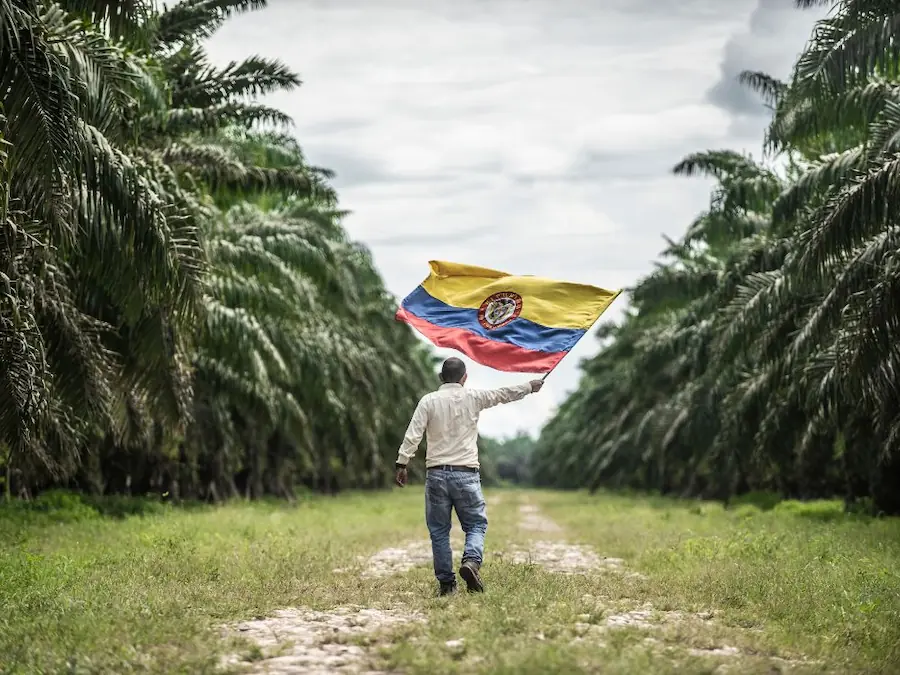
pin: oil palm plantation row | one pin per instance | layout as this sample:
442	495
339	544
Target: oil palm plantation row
180	307
762	352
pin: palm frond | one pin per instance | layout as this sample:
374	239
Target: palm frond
191	20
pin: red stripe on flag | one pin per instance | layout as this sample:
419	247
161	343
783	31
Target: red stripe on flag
493	354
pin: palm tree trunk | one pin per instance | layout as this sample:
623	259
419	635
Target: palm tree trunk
7	485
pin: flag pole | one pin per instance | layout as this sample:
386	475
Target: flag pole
549	371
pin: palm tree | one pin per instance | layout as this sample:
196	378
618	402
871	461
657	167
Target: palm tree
299	361
664	373
95	220
779	376
181	307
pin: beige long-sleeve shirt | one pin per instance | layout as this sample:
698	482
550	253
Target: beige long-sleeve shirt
449	417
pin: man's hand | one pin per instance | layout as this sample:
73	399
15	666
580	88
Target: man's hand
401	476
536	386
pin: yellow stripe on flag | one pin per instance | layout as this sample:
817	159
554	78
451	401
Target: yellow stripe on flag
554	304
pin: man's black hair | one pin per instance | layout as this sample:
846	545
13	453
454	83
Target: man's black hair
453	370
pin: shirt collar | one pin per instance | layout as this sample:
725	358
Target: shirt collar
450	385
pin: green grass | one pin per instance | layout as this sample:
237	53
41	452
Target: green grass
144	588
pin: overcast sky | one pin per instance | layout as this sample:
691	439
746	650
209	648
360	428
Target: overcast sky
530	136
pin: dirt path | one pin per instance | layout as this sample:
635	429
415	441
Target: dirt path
345	639
555	555
305	641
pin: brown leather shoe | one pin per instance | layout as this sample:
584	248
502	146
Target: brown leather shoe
469	572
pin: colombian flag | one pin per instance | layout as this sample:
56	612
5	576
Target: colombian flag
513	323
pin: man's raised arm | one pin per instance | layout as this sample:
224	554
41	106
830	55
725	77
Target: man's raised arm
488	398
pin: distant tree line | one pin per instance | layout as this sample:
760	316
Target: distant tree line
763	353
506	461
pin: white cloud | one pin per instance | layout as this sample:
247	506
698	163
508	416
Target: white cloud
534	136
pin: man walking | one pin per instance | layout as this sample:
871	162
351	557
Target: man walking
449	416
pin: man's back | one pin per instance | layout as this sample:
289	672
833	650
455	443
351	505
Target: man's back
449	419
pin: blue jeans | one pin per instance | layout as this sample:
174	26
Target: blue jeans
460	490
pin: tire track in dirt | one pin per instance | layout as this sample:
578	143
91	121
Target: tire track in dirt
555	554
561	557
400	559
304	641
295	641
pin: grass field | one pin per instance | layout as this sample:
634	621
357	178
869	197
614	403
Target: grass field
797	588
